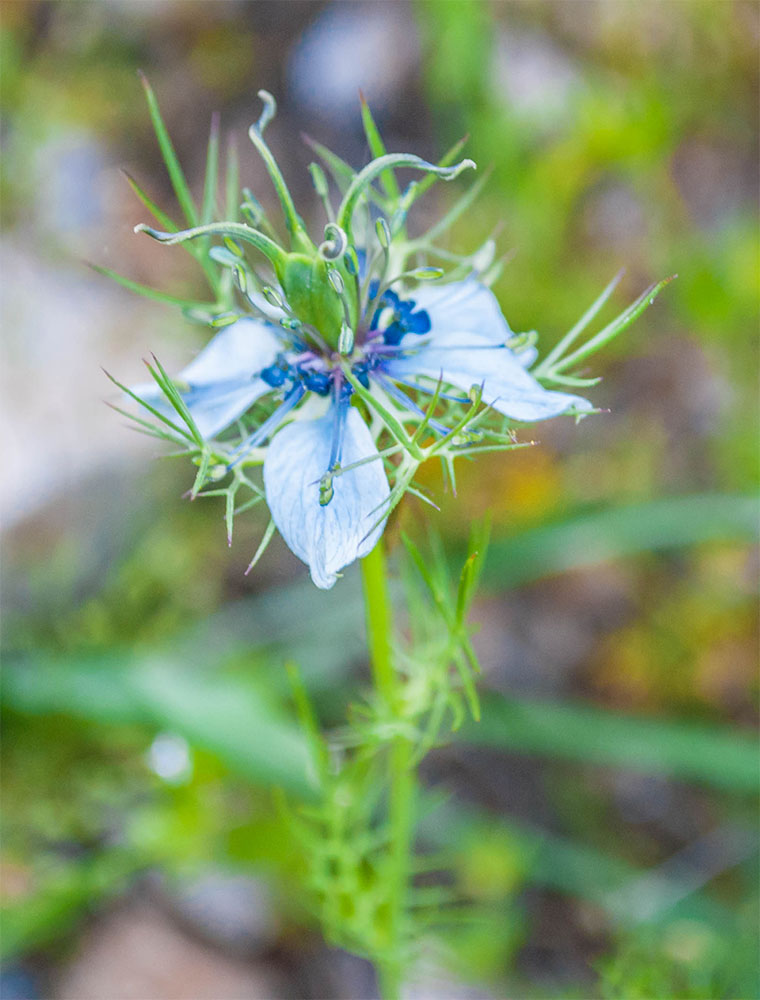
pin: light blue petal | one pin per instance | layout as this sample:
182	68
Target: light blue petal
222	379
241	349
507	386
463	307
326	538
464	347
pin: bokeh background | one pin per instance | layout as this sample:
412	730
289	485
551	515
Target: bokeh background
601	819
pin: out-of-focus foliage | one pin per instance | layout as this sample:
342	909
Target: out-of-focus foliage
597	834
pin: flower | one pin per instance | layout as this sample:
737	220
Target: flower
341	367
324	479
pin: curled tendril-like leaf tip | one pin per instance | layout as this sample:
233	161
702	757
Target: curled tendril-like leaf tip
336	242
267	112
457	169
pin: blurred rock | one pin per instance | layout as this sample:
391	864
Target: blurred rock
429	979
137	953
351	47
229	910
534	76
19	983
614	218
318	972
717	181
61	324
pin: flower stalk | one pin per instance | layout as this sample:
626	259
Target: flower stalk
402	778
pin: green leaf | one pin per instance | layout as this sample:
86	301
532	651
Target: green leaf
221	714
572	334
711	755
377	148
613	329
151	293
625	531
176	174
158	213
151	409
172	393
212	173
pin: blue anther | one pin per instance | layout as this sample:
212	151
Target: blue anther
361	371
404	320
315	380
277	374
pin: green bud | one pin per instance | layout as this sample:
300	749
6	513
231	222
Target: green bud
233	247
426	273
225	319
346	340
272	297
326	490
475	394
335	280
383	233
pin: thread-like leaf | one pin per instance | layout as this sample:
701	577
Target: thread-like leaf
176	174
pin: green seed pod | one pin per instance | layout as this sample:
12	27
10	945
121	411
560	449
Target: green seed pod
311	296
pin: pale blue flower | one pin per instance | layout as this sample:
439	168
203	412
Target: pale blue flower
405	343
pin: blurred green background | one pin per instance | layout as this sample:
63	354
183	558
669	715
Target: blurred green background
602	817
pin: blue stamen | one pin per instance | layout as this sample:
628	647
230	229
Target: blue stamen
294	395
341	403
279	373
314	380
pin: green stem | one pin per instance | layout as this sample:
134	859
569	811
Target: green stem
402	776
377	614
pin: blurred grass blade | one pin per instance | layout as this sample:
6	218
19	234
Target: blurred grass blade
176	174
232	183
574	332
151	293
158	213
612	534
613	329
709	755
211	178
377	148
218	713
560	864
342	172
